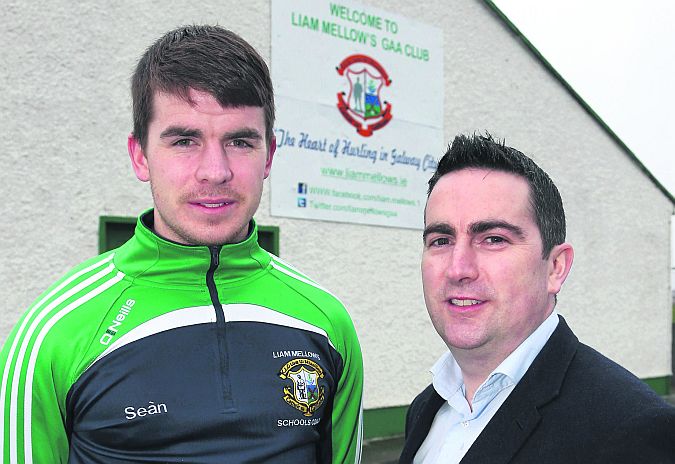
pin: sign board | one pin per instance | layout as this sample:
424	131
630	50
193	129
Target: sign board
359	95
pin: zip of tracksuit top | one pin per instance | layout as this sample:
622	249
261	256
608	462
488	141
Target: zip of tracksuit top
222	328
161	352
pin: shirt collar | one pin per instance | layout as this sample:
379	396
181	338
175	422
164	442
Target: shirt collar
518	362
447	375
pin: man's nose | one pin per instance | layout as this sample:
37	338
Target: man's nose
214	165
462	264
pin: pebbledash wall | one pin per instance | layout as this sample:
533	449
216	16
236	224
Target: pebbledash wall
65	110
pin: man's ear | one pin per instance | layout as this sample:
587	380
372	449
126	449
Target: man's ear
560	262
138	159
270	156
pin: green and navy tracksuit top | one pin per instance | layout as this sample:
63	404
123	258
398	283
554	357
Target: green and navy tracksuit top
160	352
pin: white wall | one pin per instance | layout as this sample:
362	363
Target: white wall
66	114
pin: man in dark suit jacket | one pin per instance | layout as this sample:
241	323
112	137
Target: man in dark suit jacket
516	386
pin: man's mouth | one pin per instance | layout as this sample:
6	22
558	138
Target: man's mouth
214	205
212	202
464	302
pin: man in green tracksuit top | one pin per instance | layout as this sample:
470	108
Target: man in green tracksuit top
189	343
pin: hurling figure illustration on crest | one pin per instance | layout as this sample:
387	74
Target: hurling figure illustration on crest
362	106
305	395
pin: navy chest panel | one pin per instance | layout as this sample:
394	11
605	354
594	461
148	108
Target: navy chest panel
175	396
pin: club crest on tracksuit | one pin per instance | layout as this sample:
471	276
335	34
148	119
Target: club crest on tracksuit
305	393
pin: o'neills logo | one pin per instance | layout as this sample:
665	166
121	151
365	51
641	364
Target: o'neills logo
122	314
305	395
362	105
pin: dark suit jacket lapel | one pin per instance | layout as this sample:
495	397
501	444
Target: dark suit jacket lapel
418	422
518	417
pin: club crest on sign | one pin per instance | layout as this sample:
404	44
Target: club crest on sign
362	105
305	393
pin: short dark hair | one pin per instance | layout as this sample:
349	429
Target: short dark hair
479	151
205	58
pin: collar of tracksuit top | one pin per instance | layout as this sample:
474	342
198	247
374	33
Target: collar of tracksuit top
149	257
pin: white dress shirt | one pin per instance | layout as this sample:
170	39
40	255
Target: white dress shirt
456	426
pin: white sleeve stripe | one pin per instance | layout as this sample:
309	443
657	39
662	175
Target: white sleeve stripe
303	279
359	444
28	399
19	336
289	266
25	339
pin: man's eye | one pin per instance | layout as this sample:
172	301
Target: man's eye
440	241
495	240
240	143
183	143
